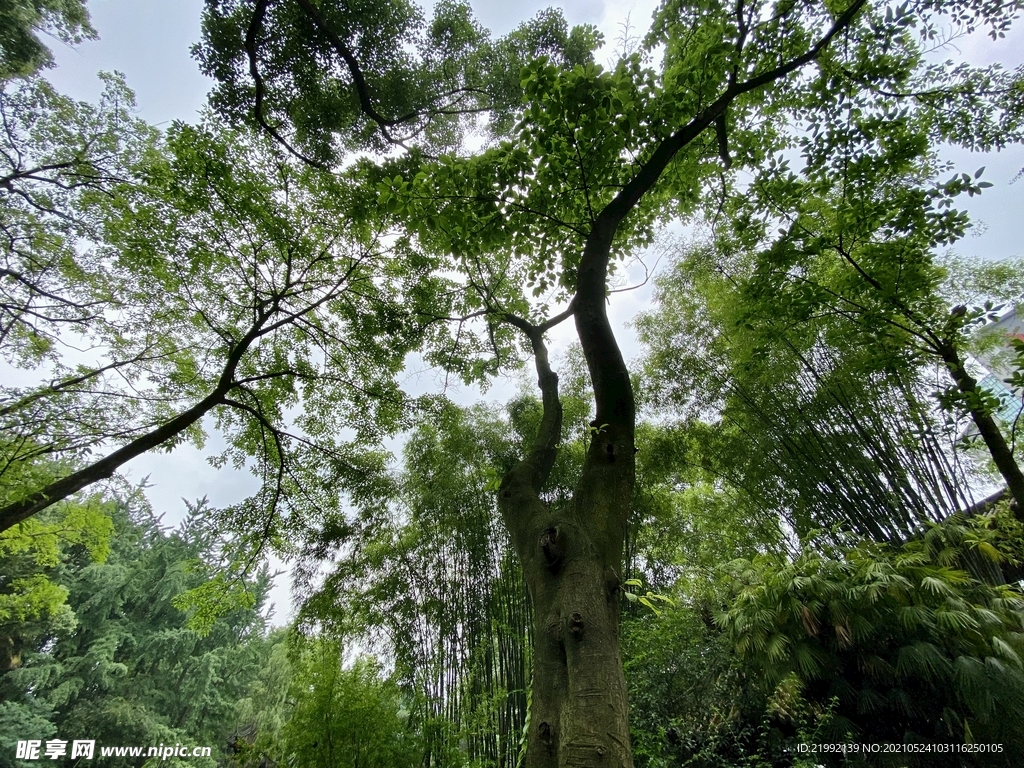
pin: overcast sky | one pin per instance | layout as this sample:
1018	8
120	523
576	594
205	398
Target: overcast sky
149	41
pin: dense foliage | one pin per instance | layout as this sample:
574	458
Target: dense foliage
119	662
22	52
905	642
756	537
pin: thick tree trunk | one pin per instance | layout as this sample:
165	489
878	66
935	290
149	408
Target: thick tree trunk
572	557
578	714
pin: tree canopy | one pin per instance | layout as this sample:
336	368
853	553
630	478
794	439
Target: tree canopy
215	286
22	52
371	184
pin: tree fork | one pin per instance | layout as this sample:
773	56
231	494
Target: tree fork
578	711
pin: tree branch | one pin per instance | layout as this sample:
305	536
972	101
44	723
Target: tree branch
259	14
651	171
545	445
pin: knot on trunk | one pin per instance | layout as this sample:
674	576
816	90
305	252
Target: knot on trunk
544	731
610	450
576	625
551	549
612	585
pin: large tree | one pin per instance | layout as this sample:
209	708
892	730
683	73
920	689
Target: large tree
581	166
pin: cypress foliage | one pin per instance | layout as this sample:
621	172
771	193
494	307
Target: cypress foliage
128	669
